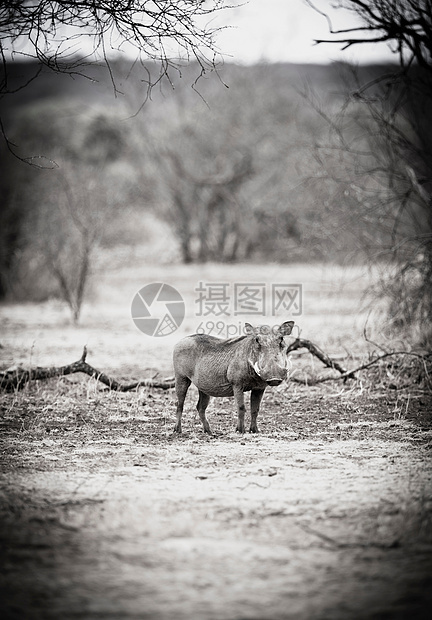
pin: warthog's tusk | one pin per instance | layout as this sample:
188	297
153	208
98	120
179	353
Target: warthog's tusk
255	367
287	364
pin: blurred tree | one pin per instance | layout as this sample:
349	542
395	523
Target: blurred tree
56	218
224	171
382	139
207	210
70	230
12	217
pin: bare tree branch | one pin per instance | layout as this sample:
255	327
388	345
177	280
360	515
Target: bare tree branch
406	23
168	32
52	32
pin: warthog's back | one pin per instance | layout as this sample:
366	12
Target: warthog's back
204	360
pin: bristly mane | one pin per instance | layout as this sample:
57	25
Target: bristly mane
236	339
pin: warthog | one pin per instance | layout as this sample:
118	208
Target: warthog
229	368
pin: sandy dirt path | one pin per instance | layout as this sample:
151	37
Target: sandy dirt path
221	528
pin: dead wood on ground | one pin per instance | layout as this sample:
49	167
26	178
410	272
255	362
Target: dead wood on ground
344	374
17	378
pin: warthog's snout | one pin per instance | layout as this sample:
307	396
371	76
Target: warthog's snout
272	364
230	368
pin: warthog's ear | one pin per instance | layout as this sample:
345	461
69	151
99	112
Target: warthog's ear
249	329
286	328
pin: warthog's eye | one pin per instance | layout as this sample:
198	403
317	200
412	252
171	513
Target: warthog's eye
257	341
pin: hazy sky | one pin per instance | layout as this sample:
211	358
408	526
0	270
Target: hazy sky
284	30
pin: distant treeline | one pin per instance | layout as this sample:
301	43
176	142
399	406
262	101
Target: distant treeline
237	164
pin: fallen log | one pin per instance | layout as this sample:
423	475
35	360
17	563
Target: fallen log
17	378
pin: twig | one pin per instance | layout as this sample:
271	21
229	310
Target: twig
348	545
368	340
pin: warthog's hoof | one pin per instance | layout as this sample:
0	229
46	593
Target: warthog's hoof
177	428
240	429
253	429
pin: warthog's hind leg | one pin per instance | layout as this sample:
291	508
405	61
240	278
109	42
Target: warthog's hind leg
202	405
255	401
181	386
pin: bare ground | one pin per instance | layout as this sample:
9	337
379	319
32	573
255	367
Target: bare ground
105	513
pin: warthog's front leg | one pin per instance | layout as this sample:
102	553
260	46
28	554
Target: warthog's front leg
181	386
255	401
239	398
